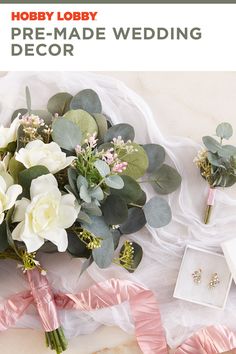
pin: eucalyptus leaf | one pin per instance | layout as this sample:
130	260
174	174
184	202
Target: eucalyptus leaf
115	210
224	131
81	181
211	144
227	181
28	175
59	103
66	134
115	182
116	235
15	167
142	199
84	121
84	194
88	100
157	212
96	193
137	162
103	255
102	167
83	217
135	222
72	178
137	256
156	156
131	192
125	131
76	247
227	151
21	111
166	179
215	160
102	125
92	209
98	227
28	99
3	236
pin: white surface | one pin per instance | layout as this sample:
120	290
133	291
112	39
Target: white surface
229	249
210	263
214	51
184	104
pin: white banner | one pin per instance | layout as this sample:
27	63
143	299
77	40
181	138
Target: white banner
117	37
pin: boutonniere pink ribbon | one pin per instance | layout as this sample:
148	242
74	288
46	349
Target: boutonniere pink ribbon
145	312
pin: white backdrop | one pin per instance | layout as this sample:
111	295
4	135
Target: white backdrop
163	248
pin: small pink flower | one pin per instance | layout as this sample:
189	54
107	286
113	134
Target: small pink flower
92	141
120	167
109	156
78	149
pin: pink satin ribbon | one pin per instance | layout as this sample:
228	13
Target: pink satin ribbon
211	196
144	309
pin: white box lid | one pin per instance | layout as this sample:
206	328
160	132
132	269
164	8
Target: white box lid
229	249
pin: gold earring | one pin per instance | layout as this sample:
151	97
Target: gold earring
214	281
197	276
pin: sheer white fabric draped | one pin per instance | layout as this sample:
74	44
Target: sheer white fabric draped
163	248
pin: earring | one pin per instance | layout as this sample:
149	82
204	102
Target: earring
214	281
197	276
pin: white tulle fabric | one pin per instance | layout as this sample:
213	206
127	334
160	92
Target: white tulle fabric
163	248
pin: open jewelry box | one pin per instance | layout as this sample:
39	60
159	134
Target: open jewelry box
210	264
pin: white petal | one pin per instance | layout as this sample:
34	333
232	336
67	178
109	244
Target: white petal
3	185
42	185
20	210
35	144
12	194
58	237
1	217
7	178
67	212
32	241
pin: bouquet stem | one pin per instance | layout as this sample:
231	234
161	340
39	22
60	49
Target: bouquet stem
208	214
56	340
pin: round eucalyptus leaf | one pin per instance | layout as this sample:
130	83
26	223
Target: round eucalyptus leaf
87	100
59	103
156	156
224	131
157	212
137	162
215	160
211	144
92	209
84	217
102	125
137	256
66	134
84	121
103	255
125	131
21	111
76	247
98	227
166	180
115	182
115	210
142	199
227	151
102	167
135	222
131	191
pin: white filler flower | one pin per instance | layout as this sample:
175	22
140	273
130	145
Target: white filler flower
45	216
9	192
49	155
8	135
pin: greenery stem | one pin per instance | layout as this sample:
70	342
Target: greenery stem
208	214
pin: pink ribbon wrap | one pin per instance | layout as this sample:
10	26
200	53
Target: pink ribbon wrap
211	196
144	309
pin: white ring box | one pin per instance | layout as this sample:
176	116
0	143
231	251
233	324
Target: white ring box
209	262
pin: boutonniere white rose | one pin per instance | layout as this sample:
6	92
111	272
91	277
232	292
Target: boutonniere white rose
49	155
8	135
45	216
9	192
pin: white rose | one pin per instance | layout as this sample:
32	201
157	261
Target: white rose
45	216
9	192
49	155
8	135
